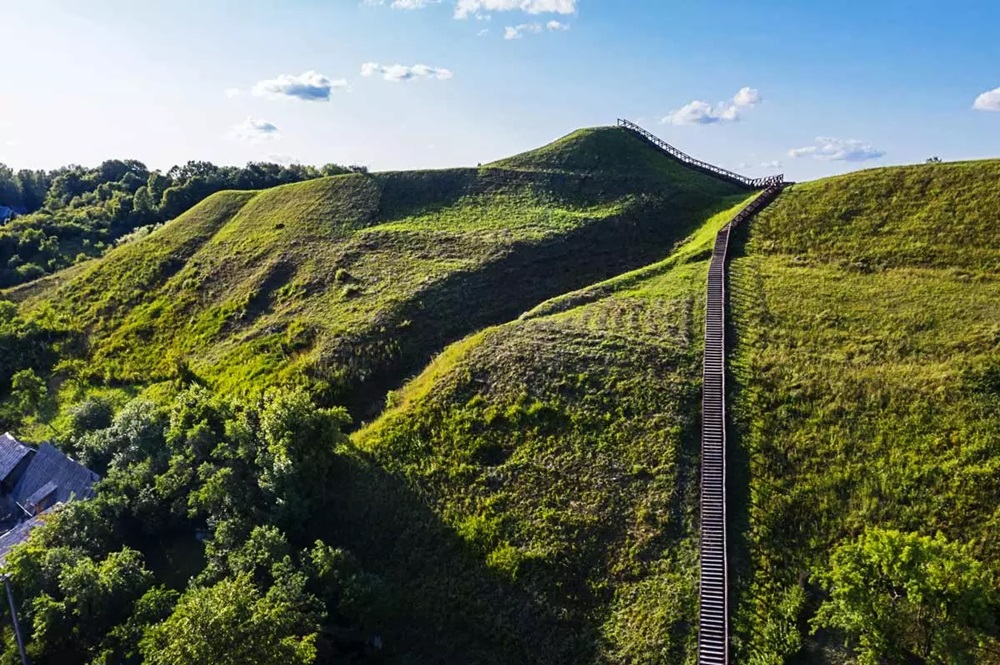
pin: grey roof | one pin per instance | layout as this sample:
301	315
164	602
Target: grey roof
18	535
42	493
72	480
12	452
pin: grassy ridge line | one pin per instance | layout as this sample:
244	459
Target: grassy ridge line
693	248
866	309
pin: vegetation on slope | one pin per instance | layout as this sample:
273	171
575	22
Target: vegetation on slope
561	453
485	518
867	311
349	284
67	215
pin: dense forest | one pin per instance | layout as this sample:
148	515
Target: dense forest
57	218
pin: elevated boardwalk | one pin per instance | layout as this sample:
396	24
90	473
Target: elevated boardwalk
713	592
697	164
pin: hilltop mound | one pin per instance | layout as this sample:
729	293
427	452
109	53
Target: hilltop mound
354	282
867	310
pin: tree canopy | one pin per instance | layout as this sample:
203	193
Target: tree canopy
902	595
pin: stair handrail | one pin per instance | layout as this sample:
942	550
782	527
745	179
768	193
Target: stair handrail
755	183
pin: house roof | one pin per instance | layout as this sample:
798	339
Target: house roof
40	495
18	535
12	452
71	479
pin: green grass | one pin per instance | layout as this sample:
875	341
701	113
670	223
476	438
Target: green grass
866	312
560	453
353	283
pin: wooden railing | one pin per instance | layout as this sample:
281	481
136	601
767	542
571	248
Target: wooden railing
717	171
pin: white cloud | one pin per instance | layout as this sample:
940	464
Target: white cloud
466	8
484	32
255	130
413	4
703	113
747	97
838	150
404	4
988	101
518	31
399	73
232	92
773	164
309	86
278	158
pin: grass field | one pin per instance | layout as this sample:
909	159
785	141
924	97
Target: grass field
520	347
867	314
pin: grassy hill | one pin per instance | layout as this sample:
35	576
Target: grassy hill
520	347
352	283
560	454
868	327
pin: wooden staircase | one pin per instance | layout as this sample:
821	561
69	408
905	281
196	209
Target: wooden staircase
713	593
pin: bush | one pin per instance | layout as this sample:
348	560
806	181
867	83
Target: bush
91	414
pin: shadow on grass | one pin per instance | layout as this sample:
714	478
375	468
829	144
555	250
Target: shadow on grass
745	300
449	606
514	282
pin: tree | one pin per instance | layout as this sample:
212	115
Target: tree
75	601
901	595
27	392
233	623
299	454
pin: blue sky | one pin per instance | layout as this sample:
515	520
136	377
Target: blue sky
747	85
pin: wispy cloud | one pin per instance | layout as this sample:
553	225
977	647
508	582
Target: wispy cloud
255	130
988	101
518	31
703	113
837	150
400	73
466	8
309	86
404	4
233	92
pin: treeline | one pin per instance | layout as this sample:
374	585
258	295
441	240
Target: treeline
73	213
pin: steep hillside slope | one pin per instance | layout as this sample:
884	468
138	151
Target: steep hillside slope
353	282
558	457
868	322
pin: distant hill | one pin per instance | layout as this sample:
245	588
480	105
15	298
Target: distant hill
355	281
